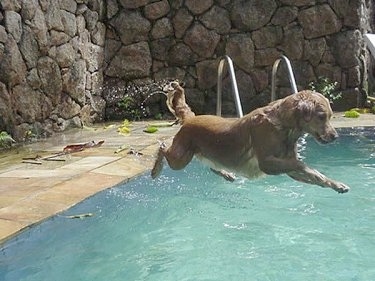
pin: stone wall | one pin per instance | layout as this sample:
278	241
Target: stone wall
64	62
186	39
51	64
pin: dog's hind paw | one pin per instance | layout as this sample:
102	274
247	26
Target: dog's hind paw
158	165
155	172
226	175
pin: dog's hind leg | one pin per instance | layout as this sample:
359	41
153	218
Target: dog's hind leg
158	165
178	155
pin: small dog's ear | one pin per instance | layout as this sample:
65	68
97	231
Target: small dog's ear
306	109
182	84
174	84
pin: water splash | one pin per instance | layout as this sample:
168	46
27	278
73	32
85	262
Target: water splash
133	97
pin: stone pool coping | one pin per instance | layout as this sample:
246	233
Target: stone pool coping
31	193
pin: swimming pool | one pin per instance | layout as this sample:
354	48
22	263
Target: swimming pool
193	225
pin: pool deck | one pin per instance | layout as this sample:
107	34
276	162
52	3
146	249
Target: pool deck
32	192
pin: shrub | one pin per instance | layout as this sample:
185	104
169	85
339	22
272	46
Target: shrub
326	87
351	114
6	140
131	107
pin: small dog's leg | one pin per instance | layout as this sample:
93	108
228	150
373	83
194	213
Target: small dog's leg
158	165
312	176
226	175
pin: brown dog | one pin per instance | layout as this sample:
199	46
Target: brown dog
176	102
261	142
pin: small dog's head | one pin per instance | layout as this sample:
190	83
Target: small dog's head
314	113
172	86
176	100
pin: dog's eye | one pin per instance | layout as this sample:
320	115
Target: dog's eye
322	116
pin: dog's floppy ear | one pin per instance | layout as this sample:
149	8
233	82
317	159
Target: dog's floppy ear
181	83
174	84
306	109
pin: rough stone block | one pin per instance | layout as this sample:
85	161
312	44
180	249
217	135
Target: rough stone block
240	48
201	40
131	62
319	21
253	14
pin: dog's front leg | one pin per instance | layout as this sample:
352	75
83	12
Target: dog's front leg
178	155
312	176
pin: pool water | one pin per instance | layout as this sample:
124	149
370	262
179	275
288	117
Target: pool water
193	225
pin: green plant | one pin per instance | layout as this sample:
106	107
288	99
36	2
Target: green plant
351	113
326	87
131	107
158	116
124	127
5	140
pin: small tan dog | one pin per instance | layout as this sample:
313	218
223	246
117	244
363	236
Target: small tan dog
261	142
176	101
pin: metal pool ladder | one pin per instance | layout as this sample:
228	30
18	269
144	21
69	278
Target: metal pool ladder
228	60
290	75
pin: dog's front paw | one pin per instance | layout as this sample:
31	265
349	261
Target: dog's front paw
340	187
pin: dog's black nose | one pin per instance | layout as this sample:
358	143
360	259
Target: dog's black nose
334	135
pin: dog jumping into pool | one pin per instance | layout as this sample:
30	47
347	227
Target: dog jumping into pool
263	142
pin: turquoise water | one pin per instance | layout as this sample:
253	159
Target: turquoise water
192	225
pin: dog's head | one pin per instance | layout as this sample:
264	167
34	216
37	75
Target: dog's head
176	100
171	87
313	113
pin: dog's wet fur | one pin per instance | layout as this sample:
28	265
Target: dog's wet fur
262	142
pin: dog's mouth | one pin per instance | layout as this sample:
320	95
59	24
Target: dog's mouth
321	140
168	88
324	139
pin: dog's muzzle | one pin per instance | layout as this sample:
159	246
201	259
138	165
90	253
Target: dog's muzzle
328	137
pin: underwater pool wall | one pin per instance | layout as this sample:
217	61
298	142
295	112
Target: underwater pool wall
67	62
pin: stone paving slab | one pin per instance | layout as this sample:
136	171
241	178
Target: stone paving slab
31	193
9	228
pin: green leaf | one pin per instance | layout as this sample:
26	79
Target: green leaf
150	129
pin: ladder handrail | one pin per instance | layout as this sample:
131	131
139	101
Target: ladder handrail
236	95
290	74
